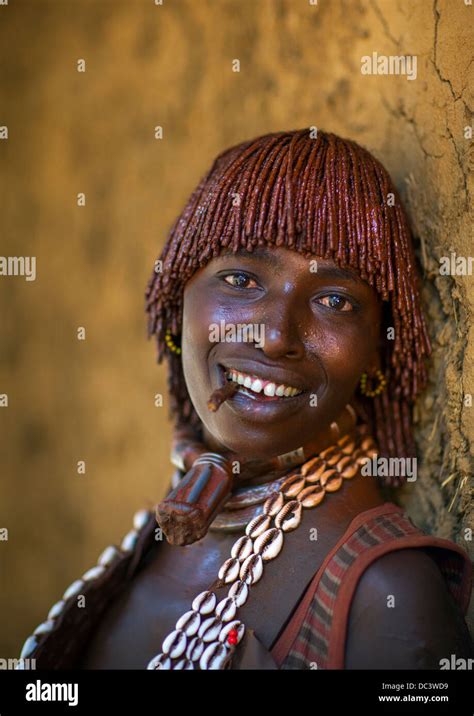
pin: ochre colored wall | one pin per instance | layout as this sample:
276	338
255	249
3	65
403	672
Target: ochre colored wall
93	132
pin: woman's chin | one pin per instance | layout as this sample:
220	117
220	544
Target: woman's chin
255	447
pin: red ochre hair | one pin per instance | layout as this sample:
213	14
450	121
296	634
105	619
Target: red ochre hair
322	196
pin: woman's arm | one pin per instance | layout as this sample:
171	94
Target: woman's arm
404	617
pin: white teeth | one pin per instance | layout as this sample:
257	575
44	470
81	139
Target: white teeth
256	385
270	389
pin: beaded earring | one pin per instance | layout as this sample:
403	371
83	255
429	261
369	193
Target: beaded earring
169	340
372	392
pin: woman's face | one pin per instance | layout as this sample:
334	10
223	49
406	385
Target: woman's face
304	324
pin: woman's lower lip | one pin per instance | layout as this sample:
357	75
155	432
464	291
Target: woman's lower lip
256	406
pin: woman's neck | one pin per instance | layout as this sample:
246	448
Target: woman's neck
257	471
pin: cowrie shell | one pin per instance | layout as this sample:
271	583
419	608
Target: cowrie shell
343	463
259	524
273	504
195	649
289	516
205	602
93	573
28	647
56	609
189	623
183	665
311	465
326	475
160	661
210	629
269	544
252	569
45	627
329	452
348	449
367	444
292	486
242	548
140	519
342	442
315	475
214	657
226	609
108	555
129	541
175	644
331	480
239	592
312	495
229	570
350	471
333	459
237	625
73	589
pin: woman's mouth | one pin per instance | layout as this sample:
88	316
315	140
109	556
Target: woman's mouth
259	399
260	388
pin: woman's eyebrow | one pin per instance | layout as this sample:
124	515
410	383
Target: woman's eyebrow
332	272
259	252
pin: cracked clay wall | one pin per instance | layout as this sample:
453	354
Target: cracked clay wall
171	65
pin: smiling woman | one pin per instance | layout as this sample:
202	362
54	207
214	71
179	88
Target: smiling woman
304	239
320	354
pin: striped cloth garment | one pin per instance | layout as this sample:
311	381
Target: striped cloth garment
316	633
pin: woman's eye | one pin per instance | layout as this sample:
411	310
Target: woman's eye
336	301
240	280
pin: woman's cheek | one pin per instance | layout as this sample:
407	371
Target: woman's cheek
345	357
197	318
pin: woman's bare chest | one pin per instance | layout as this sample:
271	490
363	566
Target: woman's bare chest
135	625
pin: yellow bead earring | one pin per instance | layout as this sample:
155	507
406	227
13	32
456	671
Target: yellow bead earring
169	340
372	392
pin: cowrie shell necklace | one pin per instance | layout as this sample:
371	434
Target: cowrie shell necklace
207	635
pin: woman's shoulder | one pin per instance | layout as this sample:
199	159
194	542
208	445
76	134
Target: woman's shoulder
366	606
408	590
404	616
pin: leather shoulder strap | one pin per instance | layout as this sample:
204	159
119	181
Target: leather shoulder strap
57	643
317	631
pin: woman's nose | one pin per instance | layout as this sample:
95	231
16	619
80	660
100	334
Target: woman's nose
281	336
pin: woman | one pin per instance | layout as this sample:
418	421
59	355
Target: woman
286	304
